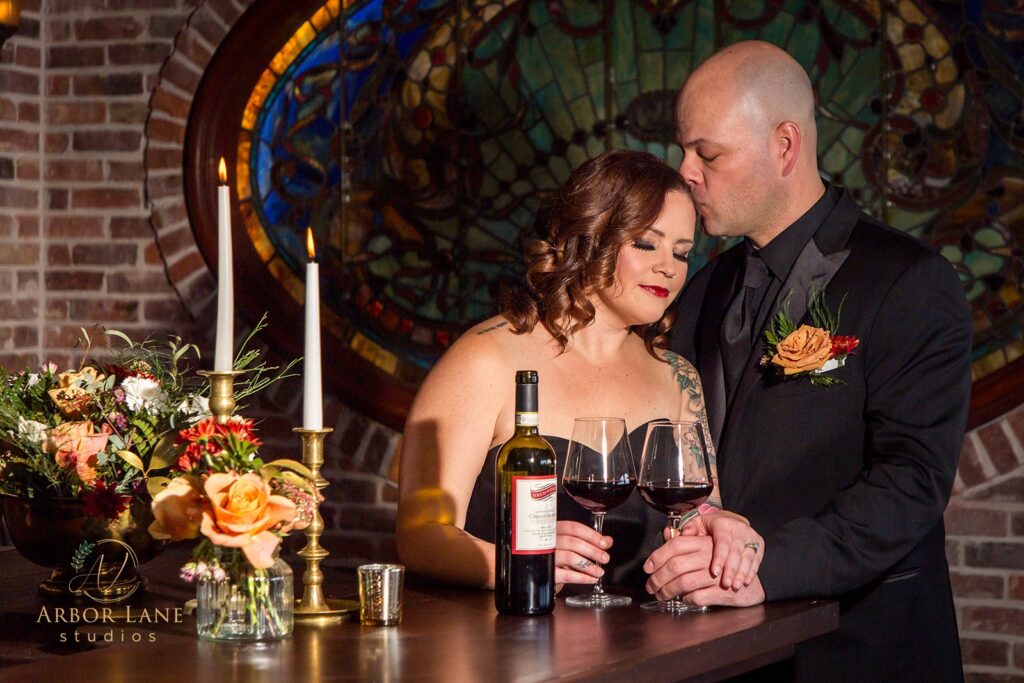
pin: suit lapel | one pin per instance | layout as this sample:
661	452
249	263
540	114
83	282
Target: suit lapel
723	284
819	261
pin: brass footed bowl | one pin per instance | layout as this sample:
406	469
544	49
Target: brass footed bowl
90	557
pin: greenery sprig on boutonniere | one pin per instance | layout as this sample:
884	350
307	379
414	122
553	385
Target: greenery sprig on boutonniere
809	351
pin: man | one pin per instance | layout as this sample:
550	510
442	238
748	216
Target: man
846	483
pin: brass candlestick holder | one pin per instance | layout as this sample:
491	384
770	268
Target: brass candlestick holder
314	606
222	392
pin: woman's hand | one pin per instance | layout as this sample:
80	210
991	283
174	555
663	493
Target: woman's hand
738	549
579	554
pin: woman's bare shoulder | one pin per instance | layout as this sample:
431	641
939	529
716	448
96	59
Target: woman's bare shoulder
495	339
481	357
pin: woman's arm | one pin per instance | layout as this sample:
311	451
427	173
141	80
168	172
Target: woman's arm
448	432
692	409
454	420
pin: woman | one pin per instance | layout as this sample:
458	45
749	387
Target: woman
592	321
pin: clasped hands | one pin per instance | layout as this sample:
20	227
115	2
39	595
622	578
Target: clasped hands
712	561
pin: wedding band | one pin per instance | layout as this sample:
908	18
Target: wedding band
583	564
753	545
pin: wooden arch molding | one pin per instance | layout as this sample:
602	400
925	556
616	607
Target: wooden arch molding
197	108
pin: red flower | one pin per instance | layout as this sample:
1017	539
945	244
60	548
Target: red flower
104	501
242	429
122	373
201	430
209	437
194	453
843	345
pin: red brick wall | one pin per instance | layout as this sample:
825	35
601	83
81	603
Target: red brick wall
21	193
94	97
985	547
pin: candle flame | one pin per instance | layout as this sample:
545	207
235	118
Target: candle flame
10	13
222	171
310	247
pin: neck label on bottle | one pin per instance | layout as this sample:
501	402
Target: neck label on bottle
534	515
527	419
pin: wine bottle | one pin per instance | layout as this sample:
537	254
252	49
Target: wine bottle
525	514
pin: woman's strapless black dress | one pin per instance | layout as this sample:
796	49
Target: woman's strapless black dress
634	527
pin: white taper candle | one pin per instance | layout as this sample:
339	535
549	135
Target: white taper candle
224	351
312	387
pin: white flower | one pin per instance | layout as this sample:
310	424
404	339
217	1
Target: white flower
142	393
33	379
196	407
32	430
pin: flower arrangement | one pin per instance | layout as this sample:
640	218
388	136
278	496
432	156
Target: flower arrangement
98	432
221	492
94	433
808	350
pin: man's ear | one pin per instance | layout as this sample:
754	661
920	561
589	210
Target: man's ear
788	139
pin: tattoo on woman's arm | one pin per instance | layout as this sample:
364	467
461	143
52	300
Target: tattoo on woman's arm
689	383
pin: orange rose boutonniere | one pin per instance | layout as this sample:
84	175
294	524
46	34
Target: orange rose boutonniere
808	350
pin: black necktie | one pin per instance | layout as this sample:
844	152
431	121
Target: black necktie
737	326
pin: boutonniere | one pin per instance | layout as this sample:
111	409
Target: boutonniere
809	351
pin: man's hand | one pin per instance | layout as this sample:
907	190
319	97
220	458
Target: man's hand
686	565
681	565
727	597
738	549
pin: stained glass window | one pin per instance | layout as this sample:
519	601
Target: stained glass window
418	139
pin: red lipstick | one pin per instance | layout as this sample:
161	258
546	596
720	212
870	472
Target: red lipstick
660	292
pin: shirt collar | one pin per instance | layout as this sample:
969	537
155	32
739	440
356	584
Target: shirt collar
782	252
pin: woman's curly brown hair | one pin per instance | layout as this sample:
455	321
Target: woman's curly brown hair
607	202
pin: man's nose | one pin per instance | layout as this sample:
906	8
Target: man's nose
689	171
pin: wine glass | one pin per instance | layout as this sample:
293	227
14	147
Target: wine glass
599	476
675	477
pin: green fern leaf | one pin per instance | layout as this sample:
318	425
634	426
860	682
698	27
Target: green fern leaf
81	554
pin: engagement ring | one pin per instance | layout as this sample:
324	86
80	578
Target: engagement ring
583	564
753	545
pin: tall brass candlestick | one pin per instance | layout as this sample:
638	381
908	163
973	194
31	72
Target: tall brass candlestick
222	392
314	606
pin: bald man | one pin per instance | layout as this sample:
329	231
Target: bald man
847	483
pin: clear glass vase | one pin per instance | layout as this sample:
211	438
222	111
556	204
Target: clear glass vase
237	602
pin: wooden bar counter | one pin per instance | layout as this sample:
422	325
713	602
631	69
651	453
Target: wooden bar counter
447	634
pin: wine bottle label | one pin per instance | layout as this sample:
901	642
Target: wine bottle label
527	419
534	514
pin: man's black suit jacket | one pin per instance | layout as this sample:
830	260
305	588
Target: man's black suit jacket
848	484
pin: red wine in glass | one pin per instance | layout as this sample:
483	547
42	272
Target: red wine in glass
599	475
599	496
674	478
667	498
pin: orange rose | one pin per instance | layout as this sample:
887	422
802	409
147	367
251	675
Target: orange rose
178	511
804	350
76	444
242	512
